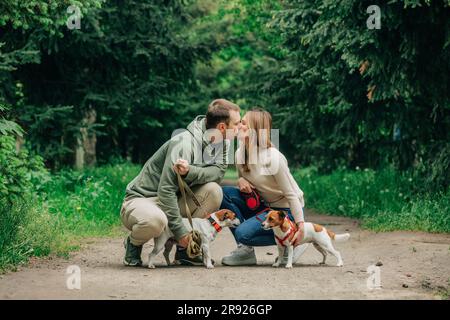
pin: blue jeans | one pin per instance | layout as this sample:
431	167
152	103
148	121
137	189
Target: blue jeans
250	231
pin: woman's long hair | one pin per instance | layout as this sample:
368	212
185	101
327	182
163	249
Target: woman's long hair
259	122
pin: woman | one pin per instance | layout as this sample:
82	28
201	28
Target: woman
264	169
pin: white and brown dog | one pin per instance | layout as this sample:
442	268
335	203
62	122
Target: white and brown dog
285	230
208	228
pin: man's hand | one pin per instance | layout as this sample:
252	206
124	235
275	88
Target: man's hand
245	186
181	166
298	236
184	241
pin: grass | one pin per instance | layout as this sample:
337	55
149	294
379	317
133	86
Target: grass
384	200
89	201
444	292
68	206
231	173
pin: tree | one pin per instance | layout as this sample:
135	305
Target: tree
116	80
23	25
359	96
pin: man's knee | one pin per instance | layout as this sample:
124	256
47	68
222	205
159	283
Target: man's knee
213	195
148	229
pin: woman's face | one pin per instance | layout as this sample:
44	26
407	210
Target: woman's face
243	130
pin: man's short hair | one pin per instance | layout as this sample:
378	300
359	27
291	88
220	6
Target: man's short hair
219	111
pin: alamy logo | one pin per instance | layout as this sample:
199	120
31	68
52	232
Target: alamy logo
374	279
73	280
374	20
211	147
74	20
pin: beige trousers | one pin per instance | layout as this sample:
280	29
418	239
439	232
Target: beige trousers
145	220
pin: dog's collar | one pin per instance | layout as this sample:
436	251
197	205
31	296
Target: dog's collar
292	230
214	223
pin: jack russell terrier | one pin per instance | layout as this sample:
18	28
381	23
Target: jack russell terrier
208	229
284	231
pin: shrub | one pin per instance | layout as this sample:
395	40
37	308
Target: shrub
25	230
384	199
18	171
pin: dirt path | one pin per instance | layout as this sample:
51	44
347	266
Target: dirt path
419	261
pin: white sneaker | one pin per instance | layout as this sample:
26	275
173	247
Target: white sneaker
242	256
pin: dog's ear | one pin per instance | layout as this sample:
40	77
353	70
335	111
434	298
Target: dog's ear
224	214
230	215
282	214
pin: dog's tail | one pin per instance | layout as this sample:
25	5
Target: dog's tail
338	237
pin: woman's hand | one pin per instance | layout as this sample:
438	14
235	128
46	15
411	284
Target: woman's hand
245	186
298	236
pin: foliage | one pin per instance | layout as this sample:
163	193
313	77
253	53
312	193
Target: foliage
363	97
65	208
18	171
128	62
384	200
343	96
25	230
357	96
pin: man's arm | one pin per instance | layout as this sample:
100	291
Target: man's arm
168	188
212	173
201	175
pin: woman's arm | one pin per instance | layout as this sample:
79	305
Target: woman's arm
243	184
282	177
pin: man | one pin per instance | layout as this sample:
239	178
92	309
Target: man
151	203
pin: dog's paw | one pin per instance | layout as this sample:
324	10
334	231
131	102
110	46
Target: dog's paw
340	264
151	266
210	266
288	266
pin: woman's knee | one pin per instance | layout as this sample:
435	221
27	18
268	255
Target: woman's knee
229	195
242	235
229	191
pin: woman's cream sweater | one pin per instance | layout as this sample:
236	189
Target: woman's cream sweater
270	175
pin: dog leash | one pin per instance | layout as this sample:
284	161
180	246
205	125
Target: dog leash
194	248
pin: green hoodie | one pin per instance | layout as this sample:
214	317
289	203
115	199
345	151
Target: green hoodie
158	179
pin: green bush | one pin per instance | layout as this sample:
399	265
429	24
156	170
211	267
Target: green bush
25	229
88	202
428	213
384	200
18	171
61	209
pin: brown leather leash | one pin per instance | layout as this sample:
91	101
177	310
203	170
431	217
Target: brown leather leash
194	248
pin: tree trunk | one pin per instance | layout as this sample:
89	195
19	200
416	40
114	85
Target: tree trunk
79	155
90	139
20	141
85	154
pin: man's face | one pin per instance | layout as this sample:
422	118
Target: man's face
235	124
230	131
